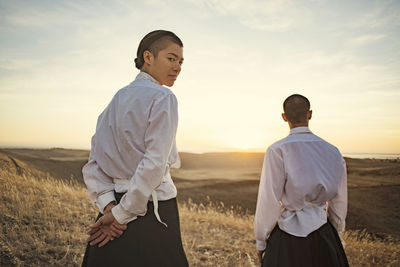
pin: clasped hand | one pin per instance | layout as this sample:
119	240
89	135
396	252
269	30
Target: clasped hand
106	228
260	255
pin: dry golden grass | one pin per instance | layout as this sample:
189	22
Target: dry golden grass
43	221
363	250
213	236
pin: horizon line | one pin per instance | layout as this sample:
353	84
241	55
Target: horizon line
254	150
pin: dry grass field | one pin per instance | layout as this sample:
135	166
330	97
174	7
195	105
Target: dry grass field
43	218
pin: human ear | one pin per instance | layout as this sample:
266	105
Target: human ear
148	57
284	117
309	115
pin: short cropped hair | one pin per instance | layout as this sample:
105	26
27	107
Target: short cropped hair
154	42
296	108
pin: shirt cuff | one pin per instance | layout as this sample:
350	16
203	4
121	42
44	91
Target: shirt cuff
104	199
261	245
337	223
122	216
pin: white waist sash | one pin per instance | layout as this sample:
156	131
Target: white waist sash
122	183
302	222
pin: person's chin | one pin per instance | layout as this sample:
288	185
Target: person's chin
169	83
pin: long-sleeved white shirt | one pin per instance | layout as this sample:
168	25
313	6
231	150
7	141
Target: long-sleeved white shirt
134	148
303	181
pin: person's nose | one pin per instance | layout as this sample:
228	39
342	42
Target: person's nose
177	67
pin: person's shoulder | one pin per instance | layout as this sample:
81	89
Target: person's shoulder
146	91
276	146
152	87
280	142
322	140
326	143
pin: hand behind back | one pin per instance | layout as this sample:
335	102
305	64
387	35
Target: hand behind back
105	229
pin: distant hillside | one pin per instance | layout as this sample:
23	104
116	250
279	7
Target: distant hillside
221	160
53	153
62	164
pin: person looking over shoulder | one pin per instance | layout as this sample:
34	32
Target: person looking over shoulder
127	174
302	197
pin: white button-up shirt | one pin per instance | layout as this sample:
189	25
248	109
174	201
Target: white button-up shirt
303	181
134	148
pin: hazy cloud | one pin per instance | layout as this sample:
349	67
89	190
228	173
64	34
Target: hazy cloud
273	16
365	39
380	14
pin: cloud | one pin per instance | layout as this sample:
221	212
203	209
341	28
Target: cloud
387	93
272	16
39	16
51	15
365	39
384	14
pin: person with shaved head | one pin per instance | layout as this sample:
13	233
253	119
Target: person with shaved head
302	197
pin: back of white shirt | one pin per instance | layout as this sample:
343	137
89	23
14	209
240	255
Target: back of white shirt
301	175
133	148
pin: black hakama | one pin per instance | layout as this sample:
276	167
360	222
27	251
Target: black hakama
321	248
145	242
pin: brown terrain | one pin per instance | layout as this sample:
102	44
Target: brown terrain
217	194
232	178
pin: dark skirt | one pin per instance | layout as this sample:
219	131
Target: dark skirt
320	248
146	242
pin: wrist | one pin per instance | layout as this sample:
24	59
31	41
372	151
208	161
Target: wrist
109	206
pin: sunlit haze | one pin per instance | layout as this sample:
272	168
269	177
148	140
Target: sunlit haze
61	62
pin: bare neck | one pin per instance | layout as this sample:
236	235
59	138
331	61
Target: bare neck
295	125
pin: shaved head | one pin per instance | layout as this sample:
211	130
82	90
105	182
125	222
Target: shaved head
296	108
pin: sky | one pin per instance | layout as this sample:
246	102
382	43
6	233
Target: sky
61	62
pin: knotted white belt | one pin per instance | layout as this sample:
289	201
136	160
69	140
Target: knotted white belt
166	178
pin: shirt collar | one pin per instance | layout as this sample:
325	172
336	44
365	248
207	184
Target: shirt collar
145	76
300	130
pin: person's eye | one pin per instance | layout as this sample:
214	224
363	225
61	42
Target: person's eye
180	62
171	59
